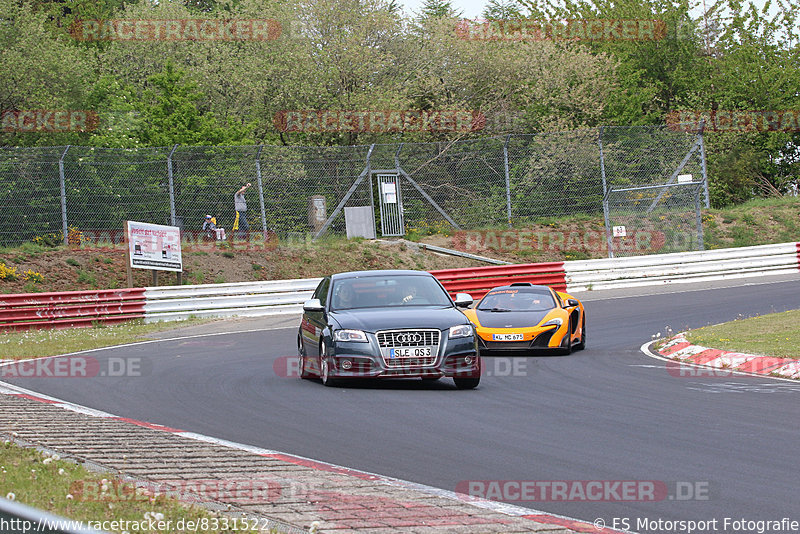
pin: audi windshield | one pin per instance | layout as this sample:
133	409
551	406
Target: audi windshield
379	292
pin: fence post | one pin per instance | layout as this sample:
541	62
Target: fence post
64	226
703	164
699	217
171	187
605	194
508	179
261	191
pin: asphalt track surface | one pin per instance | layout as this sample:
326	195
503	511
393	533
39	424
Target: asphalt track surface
608	413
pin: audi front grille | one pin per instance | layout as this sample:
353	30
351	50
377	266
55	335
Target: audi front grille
389	339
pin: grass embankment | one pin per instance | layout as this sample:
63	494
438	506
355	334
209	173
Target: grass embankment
69	490
39	343
35	267
776	334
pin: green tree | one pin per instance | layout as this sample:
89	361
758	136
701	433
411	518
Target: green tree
171	115
502	10
41	71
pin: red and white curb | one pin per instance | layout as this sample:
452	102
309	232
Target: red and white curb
679	349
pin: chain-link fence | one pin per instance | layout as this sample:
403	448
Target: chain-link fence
655	180
465	184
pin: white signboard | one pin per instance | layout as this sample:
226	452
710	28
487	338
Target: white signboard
684	178
153	246
619	231
389	192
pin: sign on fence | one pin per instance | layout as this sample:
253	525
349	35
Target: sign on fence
154	246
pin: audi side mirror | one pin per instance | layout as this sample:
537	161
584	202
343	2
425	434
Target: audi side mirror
313	305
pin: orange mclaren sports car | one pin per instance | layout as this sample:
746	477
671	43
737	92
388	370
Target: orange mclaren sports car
523	317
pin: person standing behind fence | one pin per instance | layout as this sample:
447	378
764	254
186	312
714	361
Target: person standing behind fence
240	227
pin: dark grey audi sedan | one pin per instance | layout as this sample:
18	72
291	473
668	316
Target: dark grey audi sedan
382	324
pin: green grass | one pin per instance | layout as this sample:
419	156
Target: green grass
776	334
73	262
37	343
87	277
55	485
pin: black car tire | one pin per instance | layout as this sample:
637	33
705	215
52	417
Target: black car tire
323	367
568	348
301	359
466	382
582	344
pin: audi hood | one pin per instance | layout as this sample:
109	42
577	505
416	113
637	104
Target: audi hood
400	318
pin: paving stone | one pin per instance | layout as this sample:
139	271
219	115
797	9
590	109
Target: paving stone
280	488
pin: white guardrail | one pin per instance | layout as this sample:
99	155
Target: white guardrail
243	299
682	267
252	299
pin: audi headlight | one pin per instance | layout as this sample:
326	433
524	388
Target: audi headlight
462	330
554	322
350	335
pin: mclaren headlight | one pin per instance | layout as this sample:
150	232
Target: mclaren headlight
554	322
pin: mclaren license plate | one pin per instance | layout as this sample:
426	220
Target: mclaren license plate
410	352
507	337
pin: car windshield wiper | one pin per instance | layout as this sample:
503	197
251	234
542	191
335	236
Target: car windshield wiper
496	309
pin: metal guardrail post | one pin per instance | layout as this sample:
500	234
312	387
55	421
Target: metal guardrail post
699	216
261	191
508	179
64	225
605	194
171	187
703	164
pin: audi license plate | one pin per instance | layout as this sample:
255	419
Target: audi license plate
507	337
410	352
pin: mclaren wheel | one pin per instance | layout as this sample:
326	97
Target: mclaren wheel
566	343
582	344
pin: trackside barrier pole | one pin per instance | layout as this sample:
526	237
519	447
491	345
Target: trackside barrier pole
508	179
605	194
261	191
64	225
171	187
